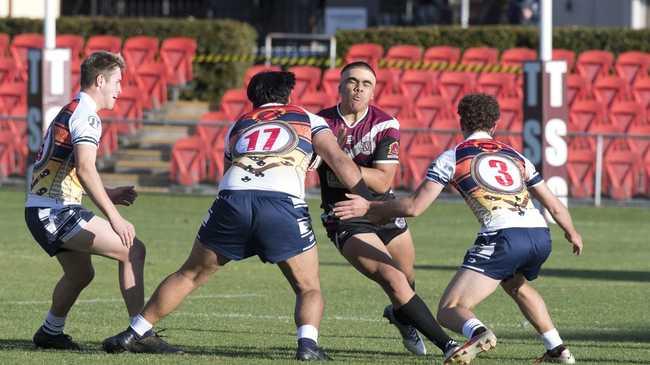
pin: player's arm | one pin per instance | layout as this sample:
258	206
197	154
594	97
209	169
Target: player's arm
559	212
122	195
380	177
410	206
85	155
346	170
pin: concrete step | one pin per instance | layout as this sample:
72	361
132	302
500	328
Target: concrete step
153	136
137	180
185	109
140	154
141	167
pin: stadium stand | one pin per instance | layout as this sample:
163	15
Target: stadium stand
444	54
176	54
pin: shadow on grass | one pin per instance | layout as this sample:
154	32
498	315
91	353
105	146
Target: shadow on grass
278	333
604	338
615	275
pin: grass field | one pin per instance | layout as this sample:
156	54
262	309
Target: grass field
244	314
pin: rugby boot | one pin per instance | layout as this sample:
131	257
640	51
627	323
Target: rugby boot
410	336
60	342
128	340
482	341
308	350
558	355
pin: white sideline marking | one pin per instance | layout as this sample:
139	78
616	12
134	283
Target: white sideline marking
110	300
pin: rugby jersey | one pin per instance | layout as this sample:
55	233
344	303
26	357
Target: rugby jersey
54	178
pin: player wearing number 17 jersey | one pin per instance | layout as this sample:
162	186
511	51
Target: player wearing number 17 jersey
259	211
497	183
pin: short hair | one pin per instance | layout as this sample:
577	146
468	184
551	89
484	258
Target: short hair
270	87
358	64
100	62
478	112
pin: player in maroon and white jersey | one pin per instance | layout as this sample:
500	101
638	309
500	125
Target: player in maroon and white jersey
383	253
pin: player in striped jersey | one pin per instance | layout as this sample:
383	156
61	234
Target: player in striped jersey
514	241
64	169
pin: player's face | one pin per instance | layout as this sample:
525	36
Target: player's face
112	87
357	89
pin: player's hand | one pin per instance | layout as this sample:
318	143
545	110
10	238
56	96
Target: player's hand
124	229
123	195
576	241
354	208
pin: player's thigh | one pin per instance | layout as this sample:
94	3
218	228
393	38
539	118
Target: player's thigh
202	261
368	254
302	270
512	285
77	266
98	238
467	289
403	253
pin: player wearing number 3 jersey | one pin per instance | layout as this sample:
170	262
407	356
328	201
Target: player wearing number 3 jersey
260	211
497	183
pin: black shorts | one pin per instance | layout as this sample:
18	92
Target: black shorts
340	231
52	227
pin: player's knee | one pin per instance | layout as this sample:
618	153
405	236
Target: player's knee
81	278
391	278
137	252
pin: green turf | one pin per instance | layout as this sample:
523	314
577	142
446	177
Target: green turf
244	314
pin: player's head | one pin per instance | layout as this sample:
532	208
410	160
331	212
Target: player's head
101	74
357	86
270	87
478	112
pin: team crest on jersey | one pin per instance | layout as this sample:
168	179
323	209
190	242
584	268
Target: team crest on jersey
393	150
498	173
93	121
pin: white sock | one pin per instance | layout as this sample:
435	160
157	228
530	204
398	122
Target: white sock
470	326
140	325
551	339
53	325
308	331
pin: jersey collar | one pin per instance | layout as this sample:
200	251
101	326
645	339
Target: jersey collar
88	100
479	135
363	116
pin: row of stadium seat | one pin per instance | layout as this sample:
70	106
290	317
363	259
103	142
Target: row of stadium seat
149	67
589	64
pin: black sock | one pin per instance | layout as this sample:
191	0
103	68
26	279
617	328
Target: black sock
417	314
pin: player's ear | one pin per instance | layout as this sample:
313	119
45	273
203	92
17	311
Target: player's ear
100	80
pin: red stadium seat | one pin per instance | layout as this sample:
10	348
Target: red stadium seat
109	139
583	113
511	120
254	70
151	80
129	106
449	133
212	130
330	82
74	42
593	64
139	50
417	83
367	52
517	56
430	108
4	45
580	167
405	52
177	54
630	65
566	55
421	151
480	56
307	79
641	91
454	85
234	103
7	153
315	101
13	96
442	54
385	82
108	43
8	70
608	89
396	105
499	85
577	88
19	46
626	113
188	161
622	162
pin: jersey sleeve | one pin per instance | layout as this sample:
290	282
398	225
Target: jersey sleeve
533	177
318	123
442	169
387	148
85	129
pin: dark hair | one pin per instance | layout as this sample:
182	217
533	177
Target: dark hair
478	112
270	87
100	62
358	64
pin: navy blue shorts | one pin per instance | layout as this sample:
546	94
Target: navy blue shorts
242	223
506	252
51	227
